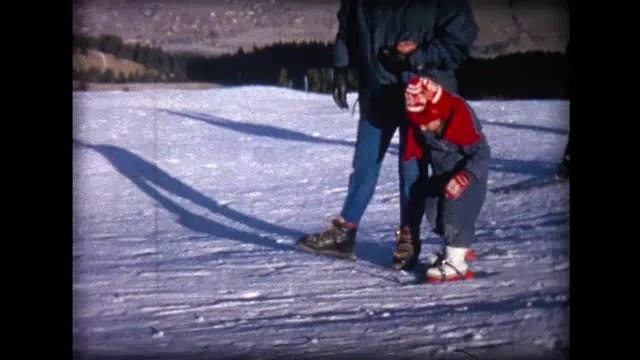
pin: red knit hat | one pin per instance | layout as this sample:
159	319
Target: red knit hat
427	101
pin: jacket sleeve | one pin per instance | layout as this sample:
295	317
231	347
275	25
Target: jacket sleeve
340	48
455	32
478	156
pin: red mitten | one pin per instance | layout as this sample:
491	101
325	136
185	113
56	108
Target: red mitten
457	185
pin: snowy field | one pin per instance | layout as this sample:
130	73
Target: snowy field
187	204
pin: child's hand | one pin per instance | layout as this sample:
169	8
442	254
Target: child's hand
457	185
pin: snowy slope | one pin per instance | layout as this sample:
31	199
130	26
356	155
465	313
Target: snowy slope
187	204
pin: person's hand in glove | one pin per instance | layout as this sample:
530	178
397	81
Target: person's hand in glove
340	88
396	59
457	185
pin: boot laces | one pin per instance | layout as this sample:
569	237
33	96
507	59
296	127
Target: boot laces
404	242
335	229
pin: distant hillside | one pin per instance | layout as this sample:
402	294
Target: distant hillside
223	27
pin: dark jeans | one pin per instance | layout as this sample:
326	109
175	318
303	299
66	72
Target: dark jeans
371	146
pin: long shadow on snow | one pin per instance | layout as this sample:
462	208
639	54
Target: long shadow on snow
377	254
266	130
524	167
528	167
143	174
526	127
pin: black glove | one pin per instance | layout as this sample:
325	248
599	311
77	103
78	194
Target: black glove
340	87
393	61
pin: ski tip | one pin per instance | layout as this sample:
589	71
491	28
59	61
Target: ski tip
471	275
437	280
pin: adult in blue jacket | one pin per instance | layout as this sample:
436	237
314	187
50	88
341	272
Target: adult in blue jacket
386	42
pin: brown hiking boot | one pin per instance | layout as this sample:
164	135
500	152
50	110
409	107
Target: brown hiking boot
407	250
338	241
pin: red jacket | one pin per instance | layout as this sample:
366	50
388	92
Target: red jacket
462	145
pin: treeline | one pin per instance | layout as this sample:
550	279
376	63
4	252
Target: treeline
306	66
160	65
539	75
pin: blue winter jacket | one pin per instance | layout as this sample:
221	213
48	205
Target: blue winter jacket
444	30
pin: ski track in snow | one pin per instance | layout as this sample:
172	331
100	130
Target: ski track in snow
187	204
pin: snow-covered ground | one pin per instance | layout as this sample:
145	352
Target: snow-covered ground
187	204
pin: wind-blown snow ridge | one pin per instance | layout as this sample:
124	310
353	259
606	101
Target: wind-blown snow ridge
187	204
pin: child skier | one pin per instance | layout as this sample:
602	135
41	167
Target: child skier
444	128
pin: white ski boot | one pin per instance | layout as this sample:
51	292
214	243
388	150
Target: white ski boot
452	266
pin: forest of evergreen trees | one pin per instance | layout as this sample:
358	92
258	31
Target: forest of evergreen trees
306	66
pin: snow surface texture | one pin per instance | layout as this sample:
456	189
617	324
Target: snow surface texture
187	204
